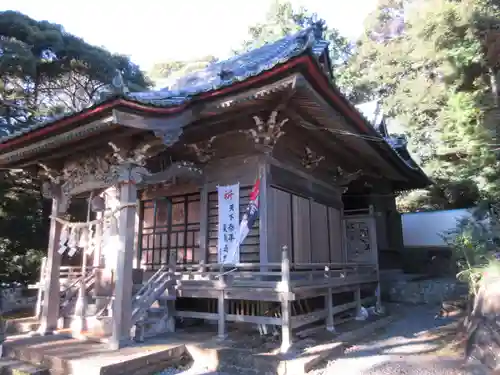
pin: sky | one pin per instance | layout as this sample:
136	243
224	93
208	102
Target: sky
160	30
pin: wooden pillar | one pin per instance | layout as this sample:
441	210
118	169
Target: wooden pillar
357	298
100	296
122	305
51	287
264	208
286	327
374	247
202	256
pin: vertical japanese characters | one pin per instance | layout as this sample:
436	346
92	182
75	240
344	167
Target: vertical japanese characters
229	214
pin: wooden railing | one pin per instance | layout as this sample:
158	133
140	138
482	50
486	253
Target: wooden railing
277	282
71	277
148	295
270	275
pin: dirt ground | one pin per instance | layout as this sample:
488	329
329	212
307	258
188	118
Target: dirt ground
417	343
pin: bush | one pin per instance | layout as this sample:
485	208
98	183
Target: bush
474	243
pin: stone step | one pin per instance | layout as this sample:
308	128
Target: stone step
16	367
21	325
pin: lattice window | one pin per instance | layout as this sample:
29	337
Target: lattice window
170	226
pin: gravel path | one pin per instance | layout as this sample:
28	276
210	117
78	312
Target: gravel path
401	349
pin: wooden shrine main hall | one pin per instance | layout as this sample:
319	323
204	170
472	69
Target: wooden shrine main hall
149	165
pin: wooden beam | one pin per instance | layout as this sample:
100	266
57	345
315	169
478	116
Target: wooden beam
175	170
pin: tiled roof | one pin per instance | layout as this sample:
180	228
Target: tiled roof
236	69
375	116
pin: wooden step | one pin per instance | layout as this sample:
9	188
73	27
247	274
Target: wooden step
167	297
16	367
157	310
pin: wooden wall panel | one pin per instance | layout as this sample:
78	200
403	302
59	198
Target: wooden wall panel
309	187
336	236
320	246
231	170
301	230
249	249
280	223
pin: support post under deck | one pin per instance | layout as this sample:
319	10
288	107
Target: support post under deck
286	327
221	307
329	305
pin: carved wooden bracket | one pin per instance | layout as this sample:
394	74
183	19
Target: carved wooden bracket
169	136
94	172
266	134
311	159
203	150
136	155
343	178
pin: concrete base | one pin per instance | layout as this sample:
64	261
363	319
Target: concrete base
64	355
304	361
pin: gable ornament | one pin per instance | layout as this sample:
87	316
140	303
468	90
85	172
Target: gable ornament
266	134
311	160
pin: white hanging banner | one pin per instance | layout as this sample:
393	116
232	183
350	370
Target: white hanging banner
229	216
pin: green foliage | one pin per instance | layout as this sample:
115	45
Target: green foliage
434	65
282	19
475	246
23	228
175	69
44	71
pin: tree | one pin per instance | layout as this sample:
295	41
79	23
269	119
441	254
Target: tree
44	71
434	66
165	72
282	19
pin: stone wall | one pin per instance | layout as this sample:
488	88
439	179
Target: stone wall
426	291
17	298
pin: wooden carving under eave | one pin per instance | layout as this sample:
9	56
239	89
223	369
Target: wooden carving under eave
311	160
266	134
51	186
343	178
203	150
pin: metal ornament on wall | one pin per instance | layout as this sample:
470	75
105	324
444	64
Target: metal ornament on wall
203	150
311	160
266	134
